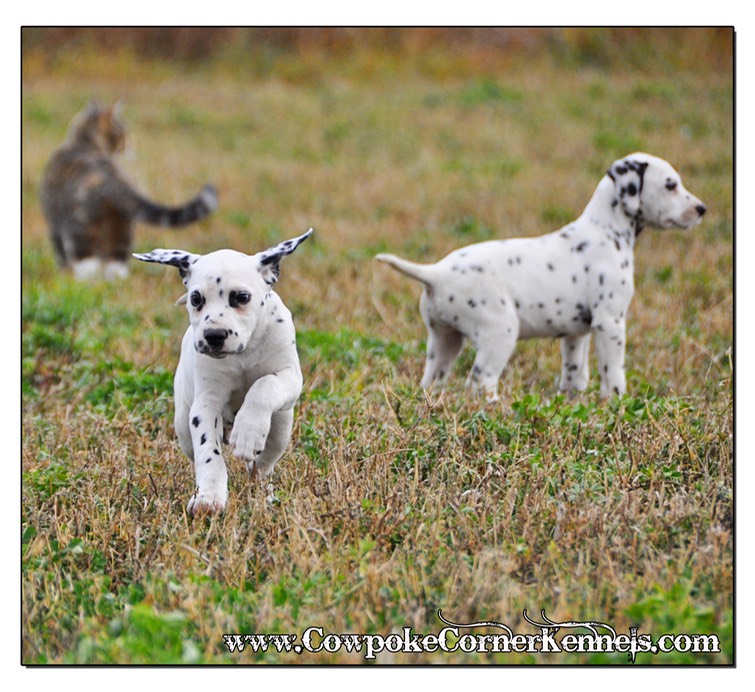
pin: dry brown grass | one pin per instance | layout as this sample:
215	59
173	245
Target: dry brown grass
391	504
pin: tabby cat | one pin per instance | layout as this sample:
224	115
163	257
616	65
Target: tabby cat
89	206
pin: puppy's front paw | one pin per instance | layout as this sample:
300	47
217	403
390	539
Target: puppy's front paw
248	439
204	503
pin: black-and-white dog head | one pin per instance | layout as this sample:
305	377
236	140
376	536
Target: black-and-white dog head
226	292
650	193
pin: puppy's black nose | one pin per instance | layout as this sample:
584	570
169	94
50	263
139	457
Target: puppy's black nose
700	209
215	338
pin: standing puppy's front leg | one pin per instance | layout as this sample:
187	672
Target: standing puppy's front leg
575	363
206	426
610	340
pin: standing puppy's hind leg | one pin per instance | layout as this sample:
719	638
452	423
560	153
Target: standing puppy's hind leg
494	349
443	345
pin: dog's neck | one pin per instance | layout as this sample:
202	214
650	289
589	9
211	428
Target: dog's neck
606	211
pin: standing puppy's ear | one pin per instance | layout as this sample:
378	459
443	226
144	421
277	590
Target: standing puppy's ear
176	258
270	259
627	175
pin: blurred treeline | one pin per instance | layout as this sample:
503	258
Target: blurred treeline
485	47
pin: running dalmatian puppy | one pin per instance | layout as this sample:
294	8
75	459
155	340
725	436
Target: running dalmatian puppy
568	284
238	366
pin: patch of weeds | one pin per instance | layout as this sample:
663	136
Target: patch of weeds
143	635
366	252
489	91
663	274
119	385
239	218
673	611
46	481
346	347
471	230
615	143
654	91
556	217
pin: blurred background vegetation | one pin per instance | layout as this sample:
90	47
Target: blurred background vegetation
465	48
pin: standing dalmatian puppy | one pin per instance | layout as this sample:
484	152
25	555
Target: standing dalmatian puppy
569	284
238	367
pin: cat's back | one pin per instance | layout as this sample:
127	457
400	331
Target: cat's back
71	169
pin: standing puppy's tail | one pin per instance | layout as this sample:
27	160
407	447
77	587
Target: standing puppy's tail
419	272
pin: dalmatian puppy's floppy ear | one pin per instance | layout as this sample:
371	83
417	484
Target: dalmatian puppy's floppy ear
269	260
176	258
627	175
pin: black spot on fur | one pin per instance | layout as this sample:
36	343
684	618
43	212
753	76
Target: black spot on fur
550	266
584	314
471	303
203	439
195	421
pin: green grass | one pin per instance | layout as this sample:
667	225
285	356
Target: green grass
391	503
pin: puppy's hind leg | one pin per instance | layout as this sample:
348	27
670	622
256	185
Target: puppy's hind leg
493	352
443	345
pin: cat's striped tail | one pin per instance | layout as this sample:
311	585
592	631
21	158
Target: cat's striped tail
173	217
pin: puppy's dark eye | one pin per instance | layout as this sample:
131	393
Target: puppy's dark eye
237	298
671	185
196	299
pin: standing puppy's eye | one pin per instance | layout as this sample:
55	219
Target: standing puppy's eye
671	185
196	299
237	298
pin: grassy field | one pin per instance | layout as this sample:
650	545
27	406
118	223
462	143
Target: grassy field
392	504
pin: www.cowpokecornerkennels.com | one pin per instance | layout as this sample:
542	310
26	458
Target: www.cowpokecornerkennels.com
549	638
